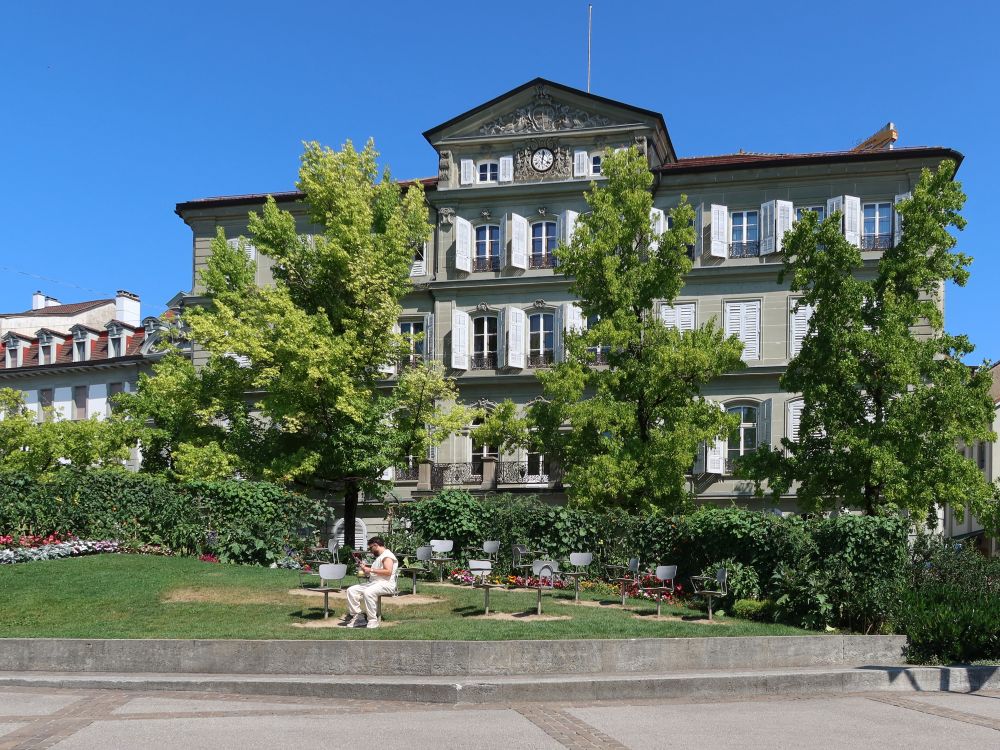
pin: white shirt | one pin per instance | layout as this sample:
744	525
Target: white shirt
379	564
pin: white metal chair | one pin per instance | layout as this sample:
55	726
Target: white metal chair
624	575
423	557
580	561
440	549
329	573
703	586
480	570
543	570
665	574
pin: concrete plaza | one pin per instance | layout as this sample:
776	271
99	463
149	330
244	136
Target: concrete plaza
78	719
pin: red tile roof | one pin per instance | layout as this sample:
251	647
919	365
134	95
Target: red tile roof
64	352
747	160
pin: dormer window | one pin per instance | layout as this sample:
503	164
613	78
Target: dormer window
14	353
82	338
80	351
47	353
115	346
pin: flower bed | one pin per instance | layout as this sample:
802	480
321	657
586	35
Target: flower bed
55	550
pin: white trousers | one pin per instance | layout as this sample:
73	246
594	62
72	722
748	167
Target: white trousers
370	592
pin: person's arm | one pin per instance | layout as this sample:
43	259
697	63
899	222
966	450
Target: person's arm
386	570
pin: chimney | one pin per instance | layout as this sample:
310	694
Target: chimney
127	308
37	301
51	301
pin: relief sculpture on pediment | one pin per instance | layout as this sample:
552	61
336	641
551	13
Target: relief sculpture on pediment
562	162
543	115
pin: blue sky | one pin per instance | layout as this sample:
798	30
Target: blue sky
112	112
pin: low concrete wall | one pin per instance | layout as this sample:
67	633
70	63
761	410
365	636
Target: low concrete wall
460	658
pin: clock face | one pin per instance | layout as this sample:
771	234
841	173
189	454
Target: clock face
541	160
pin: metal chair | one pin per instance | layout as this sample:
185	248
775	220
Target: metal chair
423	557
480	570
521	557
543	570
665	574
579	560
329	572
701	586
440	549
624	575
488	551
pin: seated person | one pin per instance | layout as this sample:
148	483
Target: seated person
382	575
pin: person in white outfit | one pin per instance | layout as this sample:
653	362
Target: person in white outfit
382	575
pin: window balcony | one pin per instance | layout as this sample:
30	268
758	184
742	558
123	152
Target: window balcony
519	472
541	261
541	359
488	263
455	475
744	249
410	360
876	242
408	473
483	361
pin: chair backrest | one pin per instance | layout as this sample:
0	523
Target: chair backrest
545	569
721	576
441	546
633	565
491	548
519	551
331	545
666	572
424	553
480	567
332	572
581	559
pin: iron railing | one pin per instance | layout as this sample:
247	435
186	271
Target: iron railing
450	475
876	242
410	360
408	473
598	355
483	361
488	263
744	249
518	472
541	359
541	261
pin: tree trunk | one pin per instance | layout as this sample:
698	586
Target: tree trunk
350	512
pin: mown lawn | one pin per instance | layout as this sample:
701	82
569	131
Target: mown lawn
134	596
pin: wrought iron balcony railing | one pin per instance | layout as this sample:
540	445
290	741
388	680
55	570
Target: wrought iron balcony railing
483	361
541	261
518	472
876	241
488	263
408	473
541	359
451	475
410	360
744	249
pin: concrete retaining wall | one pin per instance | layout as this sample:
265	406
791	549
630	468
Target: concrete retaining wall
460	658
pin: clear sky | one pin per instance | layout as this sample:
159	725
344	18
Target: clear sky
112	112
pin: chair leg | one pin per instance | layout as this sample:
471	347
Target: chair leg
326	605
709	608
486	596
623	593
539	601
576	588
659	601
378	608
414	583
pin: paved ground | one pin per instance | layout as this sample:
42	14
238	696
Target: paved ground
67	719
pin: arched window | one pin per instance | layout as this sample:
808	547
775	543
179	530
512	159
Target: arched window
541	340
543	244
484	342
487	256
743	439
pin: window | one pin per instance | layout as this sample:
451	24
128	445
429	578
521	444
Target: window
820	212
46	396
744	241
113	390
877	229
419	265
487	248
413	332
598	353
543	244
541	350
538	468
47	353
80	350
484	343
481	451
13	354
115	346
79	402
595	165
798	325
743	439
489	171
680	316
743	321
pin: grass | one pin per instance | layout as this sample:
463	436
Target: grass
135	596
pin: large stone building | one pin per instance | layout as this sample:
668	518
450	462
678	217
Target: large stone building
491	302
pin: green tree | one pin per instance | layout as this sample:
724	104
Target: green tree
626	433
886	396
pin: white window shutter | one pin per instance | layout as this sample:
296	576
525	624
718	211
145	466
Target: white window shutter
97	400
751	330
658	222
715	454
506	169
518	241
501	338
799	327
686	316
699	226
62	400
515	337
794	419
852	219
558	334
463	244
767	244
764	422
580	163
784	215
719	231
834	204
389	368
419	265
459	340
734	319
897	220
468	172
572	318
389	475
668	316
569	225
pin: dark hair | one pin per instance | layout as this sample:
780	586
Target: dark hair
377	540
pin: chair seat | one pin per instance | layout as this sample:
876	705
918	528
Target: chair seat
325	589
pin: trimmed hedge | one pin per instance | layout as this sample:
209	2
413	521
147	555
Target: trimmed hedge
244	522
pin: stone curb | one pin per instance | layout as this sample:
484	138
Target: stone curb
439	658
701	686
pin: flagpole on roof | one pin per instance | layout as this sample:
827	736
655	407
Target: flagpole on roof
590	19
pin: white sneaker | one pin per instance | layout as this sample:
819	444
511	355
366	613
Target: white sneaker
372	624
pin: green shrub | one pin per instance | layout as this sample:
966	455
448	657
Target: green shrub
754	609
800	596
742	581
945	623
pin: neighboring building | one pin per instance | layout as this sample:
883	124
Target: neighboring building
491	303
74	357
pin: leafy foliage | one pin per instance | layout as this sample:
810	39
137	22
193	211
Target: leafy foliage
946	623
742	581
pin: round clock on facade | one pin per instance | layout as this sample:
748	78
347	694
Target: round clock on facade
541	160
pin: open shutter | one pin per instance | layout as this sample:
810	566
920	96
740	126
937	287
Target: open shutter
62	400
852	219
568	226
97	400
428	336
897	220
834	204
715	454
794	419
389	475
580	163
799	327
699	228
463	244
572	318
767	244
764	423
468	172
515	337
719	231
419	265
784	215
558	341
501	338
518	241
459	340
699	461
750	333
658	221
506	169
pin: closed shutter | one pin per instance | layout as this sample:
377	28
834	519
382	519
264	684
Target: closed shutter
680	316
515	337
62	400
580	163
569	226
668	316
798	327
558	342
767	226
518	241
719	231
572	318
459	340
743	321
429	336
852	219
468	172
506	169
658	221
897	220
784	215
794	419
463	244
